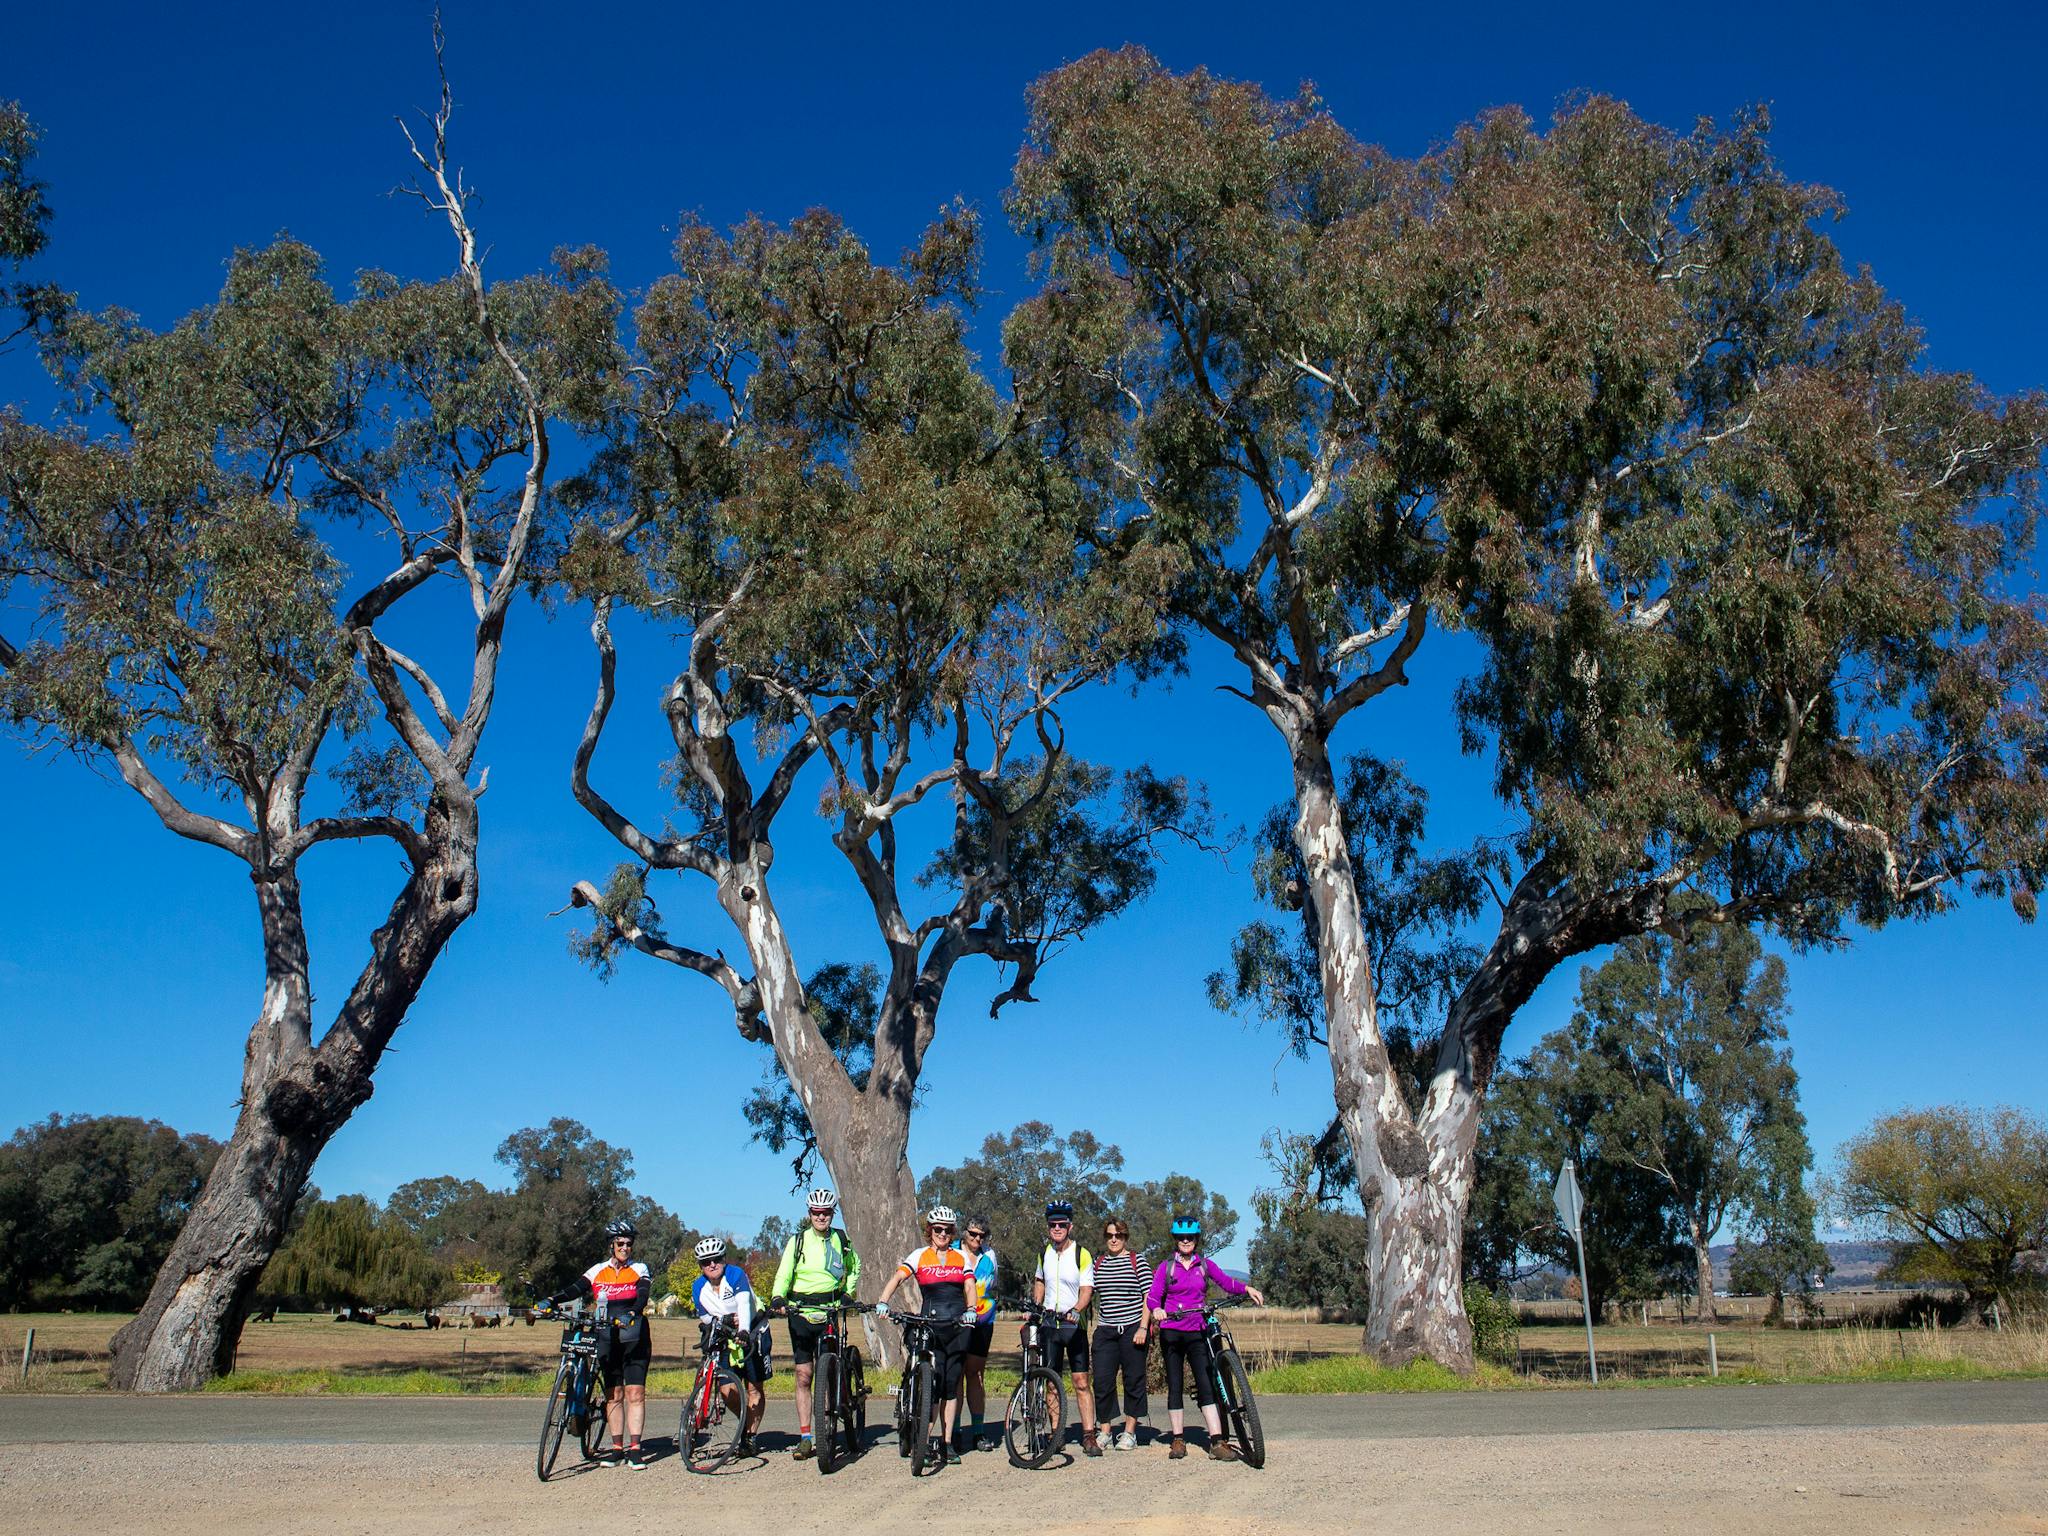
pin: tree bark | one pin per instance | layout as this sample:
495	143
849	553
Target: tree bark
295	1096
1703	1266
863	1136
1416	1166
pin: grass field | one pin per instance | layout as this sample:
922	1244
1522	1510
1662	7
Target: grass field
1287	1350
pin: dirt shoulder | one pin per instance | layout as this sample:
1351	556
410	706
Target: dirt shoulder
1947	1479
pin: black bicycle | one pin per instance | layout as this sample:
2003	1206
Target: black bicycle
574	1402
1036	1419
920	1411
712	1427
1232	1383
839	1387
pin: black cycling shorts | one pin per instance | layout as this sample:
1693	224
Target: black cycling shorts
803	1339
981	1338
626	1365
1068	1349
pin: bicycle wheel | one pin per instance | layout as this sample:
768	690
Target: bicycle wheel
826	1382
1035	1419
712	1426
921	1406
856	1403
553	1422
905	1401
1241	1409
594	1428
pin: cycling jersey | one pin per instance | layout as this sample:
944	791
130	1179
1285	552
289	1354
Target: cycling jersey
943	1279
815	1265
730	1295
620	1290
1066	1273
984	1267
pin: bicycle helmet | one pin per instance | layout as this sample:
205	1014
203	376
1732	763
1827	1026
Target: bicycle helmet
1185	1227
941	1216
620	1228
1059	1210
710	1248
824	1200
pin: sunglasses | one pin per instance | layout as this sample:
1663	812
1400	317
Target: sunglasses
937	1228
1114	1236
1187	1238
622	1242
1057	1226
983	1236
707	1263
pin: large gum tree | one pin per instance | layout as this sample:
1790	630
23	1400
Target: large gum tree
1741	575
205	566
872	577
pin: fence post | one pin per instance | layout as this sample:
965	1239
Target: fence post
1997	1326
1713	1358
27	1348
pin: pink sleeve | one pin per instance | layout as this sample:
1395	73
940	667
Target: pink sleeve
1235	1287
1157	1292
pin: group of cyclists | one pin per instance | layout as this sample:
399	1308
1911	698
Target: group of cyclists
955	1276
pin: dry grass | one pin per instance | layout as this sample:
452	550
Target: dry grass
312	1353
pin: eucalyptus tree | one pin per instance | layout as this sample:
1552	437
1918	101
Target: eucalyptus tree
871	574
1682	1042
1740	570
208	557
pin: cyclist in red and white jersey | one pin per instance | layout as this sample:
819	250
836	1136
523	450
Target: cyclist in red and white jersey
946	1289
618	1288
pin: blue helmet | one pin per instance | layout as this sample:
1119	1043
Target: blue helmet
1059	1210
1186	1227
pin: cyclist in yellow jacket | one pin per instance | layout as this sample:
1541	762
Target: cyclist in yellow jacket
819	1268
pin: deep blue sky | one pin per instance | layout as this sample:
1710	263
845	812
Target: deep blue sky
128	960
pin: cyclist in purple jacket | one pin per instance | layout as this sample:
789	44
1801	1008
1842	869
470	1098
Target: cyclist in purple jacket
1181	1284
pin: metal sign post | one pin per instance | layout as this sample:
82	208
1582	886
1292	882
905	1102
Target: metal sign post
1571	1210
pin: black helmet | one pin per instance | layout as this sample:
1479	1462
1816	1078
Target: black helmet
620	1228
1059	1210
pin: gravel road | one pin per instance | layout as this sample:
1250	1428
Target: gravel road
1924	1457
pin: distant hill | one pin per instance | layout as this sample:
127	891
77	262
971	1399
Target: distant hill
1856	1264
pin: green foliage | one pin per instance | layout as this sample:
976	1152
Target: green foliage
470	1272
547	1228
344	1252
1496	1331
1673	1091
1964	1192
89	1206
1309	1251
1412	906
24	230
1009	1182
1538	1113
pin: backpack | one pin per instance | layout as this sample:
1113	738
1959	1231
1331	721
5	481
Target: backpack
835	1252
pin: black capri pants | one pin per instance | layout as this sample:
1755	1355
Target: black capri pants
1187	1346
949	1342
1117	1349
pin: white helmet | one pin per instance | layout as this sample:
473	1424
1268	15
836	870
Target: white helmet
941	1216
710	1248
824	1200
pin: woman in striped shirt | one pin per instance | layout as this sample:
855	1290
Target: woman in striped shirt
1119	1332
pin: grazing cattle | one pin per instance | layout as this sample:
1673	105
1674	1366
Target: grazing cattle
267	1315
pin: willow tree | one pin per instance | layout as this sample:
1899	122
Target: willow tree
193	623
1739	568
871	576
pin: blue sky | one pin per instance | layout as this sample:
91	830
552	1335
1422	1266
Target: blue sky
128	960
